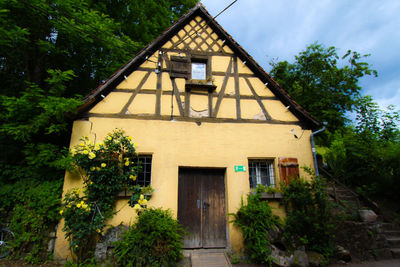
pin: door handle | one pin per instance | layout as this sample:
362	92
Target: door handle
198	204
205	204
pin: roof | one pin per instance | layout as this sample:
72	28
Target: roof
199	10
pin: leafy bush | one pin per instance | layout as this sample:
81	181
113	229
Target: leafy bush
32	207
309	221
155	239
255	219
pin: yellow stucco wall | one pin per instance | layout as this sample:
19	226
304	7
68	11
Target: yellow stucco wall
175	144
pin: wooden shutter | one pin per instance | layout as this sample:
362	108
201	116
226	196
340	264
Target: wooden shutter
289	169
179	67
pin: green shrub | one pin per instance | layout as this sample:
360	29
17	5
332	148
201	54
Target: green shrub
309	221
255	219
32	208
155	239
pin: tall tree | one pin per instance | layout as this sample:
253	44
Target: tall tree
324	84
52	51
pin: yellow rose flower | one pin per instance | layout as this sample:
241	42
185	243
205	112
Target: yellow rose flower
129	138
61	212
132	177
78	205
92	155
109	138
142	202
85	152
103	165
90	182
92	168
98	230
76	246
97	168
137	207
82	144
127	163
141	197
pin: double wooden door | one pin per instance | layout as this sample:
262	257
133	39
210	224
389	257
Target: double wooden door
201	207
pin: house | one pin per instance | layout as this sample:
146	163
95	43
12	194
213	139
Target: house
209	122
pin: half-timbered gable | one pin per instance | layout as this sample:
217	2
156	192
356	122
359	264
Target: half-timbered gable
209	122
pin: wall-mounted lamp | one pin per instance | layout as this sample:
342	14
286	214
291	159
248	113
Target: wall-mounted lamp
292	132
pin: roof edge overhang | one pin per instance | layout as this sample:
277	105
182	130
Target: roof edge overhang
96	95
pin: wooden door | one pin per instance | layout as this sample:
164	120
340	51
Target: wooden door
201	207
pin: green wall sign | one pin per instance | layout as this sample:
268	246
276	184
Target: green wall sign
240	168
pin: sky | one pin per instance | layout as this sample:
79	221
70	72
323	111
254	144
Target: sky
280	29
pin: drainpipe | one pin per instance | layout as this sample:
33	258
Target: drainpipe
313	147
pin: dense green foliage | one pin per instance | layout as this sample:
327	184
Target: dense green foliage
52	52
255	220
363	153
323	83
368	155
155	239
61	48
309	221
31	206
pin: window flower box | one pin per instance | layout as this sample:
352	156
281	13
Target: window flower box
265	195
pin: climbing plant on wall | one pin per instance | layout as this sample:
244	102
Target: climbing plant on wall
106	168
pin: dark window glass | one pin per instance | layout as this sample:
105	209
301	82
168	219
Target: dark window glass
144	176
261	171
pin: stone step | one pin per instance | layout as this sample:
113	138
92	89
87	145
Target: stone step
392	233
210	259
389	226
347	198
395	253
394	242
339	192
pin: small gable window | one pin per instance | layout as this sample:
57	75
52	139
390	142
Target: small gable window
261	171
199	70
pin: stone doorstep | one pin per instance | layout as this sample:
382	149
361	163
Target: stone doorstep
209	258
188	252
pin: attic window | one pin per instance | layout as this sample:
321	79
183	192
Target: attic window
199	70
200	74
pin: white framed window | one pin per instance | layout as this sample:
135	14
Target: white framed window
261	171
199	70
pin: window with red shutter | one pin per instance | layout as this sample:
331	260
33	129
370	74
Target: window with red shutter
289	169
